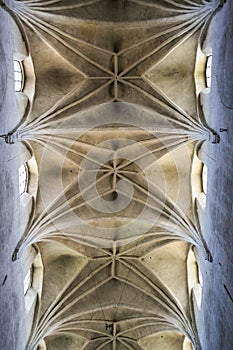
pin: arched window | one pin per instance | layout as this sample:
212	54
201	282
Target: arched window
28	280
33	282
192	269
23	177
34	278
18	70
194	276
208	71
204	178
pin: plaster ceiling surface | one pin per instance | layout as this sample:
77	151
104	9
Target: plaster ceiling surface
113	123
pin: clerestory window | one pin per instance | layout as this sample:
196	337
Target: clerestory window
27	281
204	178
18	71
23	179
208	71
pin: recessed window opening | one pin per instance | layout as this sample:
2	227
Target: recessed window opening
18	76
22	179
27	281
208	71
204	178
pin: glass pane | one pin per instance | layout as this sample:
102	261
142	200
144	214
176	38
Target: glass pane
204	178
17	66
17	86
22	179
17	76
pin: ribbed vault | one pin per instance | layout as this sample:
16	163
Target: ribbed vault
85	307
114	123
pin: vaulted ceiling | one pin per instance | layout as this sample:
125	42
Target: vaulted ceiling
111	116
